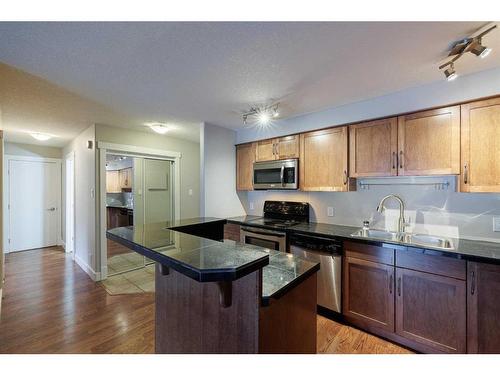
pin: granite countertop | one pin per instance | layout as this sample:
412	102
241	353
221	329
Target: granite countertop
484	251
203	259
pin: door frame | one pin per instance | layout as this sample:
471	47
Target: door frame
103	148
6	195
69	201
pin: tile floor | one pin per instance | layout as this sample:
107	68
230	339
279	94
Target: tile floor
137	281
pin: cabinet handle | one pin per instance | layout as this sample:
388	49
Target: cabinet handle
345	177
394	160
401	159
399	286
473	283
390	284
466	174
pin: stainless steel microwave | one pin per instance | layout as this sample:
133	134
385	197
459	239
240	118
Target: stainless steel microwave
276	175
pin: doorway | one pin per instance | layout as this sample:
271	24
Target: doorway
69	237
33	197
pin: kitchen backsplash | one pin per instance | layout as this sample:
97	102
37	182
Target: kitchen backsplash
122	199
428	209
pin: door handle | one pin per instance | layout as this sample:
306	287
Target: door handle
51	209
473	283
394	160
390	284
399	286
401	159
466	174
345	177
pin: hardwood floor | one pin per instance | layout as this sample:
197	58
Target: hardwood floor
51	306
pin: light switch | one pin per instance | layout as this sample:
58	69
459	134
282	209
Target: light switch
329	211
190	192
496	223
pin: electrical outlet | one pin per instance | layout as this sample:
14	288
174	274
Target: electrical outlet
496	223
329	211
251	205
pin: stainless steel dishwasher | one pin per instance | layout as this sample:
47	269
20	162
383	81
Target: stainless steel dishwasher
327	252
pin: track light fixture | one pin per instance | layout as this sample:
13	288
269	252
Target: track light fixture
261	115
471	44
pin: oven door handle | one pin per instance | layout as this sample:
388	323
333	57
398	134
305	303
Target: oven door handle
274	234
282	175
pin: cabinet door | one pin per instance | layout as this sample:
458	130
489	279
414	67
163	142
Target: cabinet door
126	180
431	310
481	146
368	294
112	182
245	157
429	142
287	147
483	308
373	148
323	160
266	150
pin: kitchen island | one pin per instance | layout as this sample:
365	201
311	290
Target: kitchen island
220	296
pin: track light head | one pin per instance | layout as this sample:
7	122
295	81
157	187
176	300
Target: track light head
450	73
479	50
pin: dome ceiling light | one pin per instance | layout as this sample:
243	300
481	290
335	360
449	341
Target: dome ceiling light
473	45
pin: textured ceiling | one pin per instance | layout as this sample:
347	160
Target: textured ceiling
186	73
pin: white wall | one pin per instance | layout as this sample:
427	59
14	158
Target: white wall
218	172
439	212
22	149
1	212
85	202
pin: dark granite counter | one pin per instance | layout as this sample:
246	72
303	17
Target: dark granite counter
204	259
483	251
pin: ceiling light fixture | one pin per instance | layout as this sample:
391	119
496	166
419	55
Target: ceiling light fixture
473	45
41	136
450	73
158	127
261	115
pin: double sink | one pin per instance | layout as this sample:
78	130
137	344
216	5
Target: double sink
406	238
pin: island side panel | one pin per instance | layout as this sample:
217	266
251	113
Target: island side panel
288	324
191	319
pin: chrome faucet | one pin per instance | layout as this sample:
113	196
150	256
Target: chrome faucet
401	221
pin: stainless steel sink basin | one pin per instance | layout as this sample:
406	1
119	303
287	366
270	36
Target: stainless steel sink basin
427	240
406	238
377	234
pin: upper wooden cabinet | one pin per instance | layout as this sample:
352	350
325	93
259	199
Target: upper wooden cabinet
113	182
483	308
278	148
429	142
373	148
323	160
245	157
125	176
480	148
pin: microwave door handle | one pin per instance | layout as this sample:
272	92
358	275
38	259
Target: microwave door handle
282	175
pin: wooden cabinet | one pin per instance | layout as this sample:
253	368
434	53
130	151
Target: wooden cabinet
125	176
429	142
480	149
245	157
323	160
483	308
278	148
368	298
373	148
232	232
113	182
431	310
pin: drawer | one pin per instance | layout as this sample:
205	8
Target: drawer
369	252
432	262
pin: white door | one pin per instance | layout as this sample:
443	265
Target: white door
33	204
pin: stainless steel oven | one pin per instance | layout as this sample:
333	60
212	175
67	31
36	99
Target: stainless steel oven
269	239
277	174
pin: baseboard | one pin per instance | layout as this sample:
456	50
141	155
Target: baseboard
96	276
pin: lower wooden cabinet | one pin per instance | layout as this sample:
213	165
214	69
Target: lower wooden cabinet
431	310
232	232
411	297
368	290
483	308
